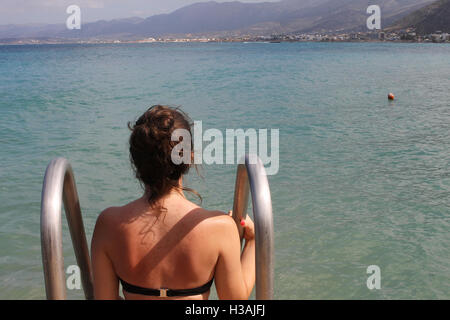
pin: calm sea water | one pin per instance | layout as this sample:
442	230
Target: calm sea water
362	181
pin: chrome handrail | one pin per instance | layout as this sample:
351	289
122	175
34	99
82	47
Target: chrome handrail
252	176
59	186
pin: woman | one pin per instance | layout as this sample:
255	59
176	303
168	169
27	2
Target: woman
163	246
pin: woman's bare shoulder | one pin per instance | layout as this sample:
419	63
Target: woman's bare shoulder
106	219
218	219
109	223
114	215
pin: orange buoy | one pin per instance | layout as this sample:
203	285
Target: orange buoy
391	96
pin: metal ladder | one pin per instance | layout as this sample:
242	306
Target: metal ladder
251	176
59	187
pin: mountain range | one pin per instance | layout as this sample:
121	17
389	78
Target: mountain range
286	16
433	17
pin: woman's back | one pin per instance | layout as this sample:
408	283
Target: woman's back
171	249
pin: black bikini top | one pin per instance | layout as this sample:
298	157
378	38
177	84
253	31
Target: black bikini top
165	292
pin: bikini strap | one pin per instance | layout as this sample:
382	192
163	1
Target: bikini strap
163	292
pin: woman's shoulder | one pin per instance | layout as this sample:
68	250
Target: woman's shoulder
106	219
112	216
220	229
217	219
109	222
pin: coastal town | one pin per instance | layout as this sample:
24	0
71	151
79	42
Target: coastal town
408	35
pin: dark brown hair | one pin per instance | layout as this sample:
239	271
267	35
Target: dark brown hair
151	151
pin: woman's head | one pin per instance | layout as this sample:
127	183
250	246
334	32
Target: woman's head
151	150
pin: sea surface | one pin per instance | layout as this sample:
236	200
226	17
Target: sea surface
362	181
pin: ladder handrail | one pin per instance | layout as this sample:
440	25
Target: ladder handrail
59	186
252	177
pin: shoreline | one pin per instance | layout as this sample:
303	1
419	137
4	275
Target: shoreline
386	36
31	43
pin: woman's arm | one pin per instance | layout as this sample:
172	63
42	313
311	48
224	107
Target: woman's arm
106	283
235	273
248	255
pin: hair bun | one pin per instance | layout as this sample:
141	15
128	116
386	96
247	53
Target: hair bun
151	149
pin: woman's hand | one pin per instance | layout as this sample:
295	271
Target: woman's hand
249	227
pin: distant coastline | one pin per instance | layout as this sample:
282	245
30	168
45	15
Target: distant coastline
403	36
234	21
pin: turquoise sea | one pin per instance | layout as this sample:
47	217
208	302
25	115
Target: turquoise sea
362	181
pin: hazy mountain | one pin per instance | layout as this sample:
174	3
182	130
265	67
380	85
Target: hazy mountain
346	15
429	19
263	18
60	30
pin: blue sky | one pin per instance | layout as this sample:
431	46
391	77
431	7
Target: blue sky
54	11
